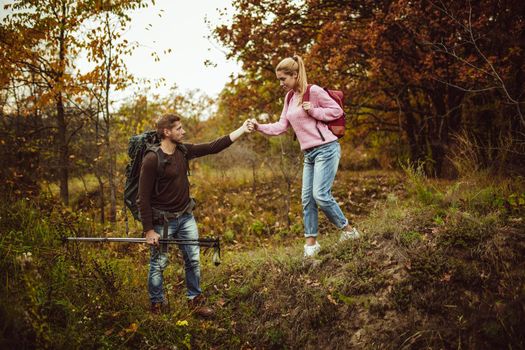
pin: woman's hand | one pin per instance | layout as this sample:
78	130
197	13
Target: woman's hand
307	106
253	123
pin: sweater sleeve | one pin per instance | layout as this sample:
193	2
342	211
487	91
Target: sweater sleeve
148	172
203	149
277	128
326	109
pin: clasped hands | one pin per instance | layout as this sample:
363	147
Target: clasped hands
250	125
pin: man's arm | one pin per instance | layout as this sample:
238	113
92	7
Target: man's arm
203	149
148	173
245	128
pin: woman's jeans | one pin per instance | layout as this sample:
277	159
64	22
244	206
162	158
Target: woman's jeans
320	167
183	227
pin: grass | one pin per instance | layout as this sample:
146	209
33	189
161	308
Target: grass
440	265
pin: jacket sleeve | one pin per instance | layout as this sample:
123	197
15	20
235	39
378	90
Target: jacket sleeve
324	108
203	149
148	172
277	128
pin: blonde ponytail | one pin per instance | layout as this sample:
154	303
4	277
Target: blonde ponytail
292	65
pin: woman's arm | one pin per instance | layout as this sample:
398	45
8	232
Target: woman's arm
326	108
277	128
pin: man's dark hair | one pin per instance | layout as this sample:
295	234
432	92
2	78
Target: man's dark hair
166	122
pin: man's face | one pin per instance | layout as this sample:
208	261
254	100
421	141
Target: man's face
286	81
176	133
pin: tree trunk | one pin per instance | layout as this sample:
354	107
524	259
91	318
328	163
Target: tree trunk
63	159
109	149
410	127
112	217
63	166
102	201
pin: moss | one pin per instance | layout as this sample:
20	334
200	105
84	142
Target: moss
410	238
401	295
275	337
465	231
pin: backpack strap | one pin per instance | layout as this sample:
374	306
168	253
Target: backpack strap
306	95
184	151
161	163
289	96
161	159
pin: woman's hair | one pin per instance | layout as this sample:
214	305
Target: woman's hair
292	65
167	121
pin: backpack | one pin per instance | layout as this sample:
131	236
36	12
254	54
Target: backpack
337	126
138	146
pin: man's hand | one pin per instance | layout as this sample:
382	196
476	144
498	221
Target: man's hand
152	237
248	126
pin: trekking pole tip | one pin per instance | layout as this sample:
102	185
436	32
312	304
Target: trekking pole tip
216	258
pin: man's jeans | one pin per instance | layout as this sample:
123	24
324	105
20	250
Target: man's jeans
183	227
320	167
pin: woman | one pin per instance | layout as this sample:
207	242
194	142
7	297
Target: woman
321	148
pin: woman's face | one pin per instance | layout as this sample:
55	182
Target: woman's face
287	81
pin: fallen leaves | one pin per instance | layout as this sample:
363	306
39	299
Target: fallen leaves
331	299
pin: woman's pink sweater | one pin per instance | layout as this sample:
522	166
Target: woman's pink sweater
324	109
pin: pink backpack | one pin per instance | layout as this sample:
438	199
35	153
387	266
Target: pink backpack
337	126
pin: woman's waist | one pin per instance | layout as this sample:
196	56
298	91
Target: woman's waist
321	145
309	139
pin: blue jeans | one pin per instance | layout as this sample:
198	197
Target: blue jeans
320	167
184	227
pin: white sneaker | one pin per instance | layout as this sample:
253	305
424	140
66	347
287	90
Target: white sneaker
349	234
311	250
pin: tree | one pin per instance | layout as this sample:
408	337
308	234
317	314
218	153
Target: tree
106	49
44	39
44	47
383	55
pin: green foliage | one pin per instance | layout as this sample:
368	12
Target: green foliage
419	186
229	236
372	55
410	238
257	227
432	273
57	296
466	231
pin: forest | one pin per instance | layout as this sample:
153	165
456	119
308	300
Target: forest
431	172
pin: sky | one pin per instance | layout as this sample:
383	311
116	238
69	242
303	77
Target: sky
181	28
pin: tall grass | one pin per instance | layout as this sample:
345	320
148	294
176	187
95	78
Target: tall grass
439	265
66	296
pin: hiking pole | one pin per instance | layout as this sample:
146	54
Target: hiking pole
201	242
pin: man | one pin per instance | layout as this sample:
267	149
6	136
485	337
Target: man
169	192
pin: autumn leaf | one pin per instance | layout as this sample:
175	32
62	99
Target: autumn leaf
132	328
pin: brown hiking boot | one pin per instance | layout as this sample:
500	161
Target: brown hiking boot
198	306
156	308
